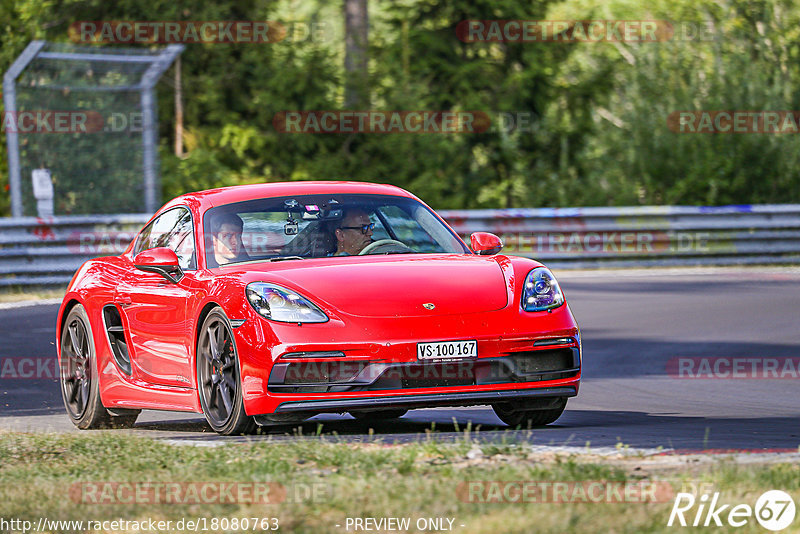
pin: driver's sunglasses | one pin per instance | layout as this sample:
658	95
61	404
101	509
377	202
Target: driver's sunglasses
364	227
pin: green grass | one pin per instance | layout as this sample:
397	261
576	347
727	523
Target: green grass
38	472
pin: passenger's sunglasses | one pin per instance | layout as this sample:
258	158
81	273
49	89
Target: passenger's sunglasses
364	227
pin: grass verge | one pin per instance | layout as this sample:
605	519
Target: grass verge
320	483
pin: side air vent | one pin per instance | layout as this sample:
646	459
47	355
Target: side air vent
116	338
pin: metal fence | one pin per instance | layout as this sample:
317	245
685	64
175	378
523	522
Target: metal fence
46	252
83	114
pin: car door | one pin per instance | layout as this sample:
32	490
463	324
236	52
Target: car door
157	309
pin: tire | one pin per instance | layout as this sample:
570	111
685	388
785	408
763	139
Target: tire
79	379
529	417
219	382
379	415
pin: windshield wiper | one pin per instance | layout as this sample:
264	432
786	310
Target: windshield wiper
283	258
259	260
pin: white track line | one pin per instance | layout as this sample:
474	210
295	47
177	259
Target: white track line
28	303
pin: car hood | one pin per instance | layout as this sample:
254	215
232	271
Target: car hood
399	285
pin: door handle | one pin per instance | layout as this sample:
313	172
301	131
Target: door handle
123	300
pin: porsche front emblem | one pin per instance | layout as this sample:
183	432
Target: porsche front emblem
429	305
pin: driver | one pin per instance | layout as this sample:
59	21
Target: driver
226	231
353	233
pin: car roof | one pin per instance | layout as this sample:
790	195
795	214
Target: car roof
203	200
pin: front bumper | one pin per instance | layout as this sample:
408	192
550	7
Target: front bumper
340	375
383	353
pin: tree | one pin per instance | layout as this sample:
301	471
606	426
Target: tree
356	31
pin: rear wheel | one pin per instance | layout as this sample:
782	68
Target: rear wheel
379	415
80	385
527	415
218	381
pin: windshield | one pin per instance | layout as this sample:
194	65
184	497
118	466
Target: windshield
317	226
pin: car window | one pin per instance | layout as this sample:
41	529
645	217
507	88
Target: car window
379	232
407	229
263	232
172	229
307	225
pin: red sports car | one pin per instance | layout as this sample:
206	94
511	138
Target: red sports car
271	303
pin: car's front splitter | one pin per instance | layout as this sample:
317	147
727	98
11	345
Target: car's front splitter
424	400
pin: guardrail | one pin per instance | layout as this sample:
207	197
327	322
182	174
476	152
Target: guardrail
642	236
46	252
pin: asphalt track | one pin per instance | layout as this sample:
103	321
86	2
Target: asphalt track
633	323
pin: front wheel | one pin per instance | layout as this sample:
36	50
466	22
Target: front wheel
527	416
218	382
79	380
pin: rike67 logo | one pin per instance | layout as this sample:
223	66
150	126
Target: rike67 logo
774	510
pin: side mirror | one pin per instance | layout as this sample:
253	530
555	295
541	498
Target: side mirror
161	261
485	243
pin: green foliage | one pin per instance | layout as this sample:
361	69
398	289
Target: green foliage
598	111
741	59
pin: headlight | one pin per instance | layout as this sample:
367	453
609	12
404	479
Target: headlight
281	304
541	291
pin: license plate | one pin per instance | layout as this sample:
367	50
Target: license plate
445	350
